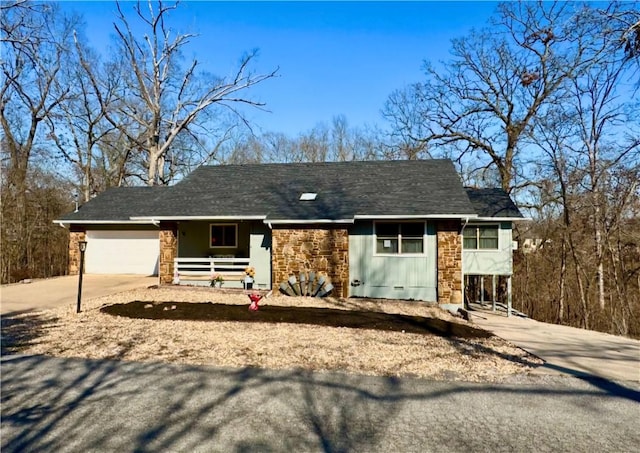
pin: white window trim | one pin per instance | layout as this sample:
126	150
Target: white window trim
235	246
400	254
472	225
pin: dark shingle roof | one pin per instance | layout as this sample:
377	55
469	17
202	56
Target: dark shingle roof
344	190
492	203
118	203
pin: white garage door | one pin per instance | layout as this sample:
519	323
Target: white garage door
122	252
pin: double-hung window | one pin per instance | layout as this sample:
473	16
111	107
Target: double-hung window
481	237
399	238
223	235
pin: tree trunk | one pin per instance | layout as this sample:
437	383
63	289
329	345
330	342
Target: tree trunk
599	254
563	277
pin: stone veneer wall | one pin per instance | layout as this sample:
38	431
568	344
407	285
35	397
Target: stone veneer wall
75	235
168	251
449	262
320	249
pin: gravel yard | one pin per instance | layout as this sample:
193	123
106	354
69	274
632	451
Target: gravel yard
276	344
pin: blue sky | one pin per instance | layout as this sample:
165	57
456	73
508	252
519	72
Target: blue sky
335	58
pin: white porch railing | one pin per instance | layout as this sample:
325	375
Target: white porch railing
204	268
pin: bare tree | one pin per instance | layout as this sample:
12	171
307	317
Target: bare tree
499	78
35	52
608	141
540	103
78	126
606	135
403	111
162	101
625	25
591	144
336	142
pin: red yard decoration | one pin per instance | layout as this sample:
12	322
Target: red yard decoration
255	298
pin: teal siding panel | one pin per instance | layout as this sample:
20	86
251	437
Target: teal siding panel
491	262
193	240
260	254
393	277
359	254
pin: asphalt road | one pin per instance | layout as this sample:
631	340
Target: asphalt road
62	405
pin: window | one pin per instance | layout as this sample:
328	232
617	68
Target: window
223	235
399	238
481	237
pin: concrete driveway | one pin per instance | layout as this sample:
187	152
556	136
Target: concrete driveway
568	350
63	291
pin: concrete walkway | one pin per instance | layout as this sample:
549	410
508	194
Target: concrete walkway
62	291
568	350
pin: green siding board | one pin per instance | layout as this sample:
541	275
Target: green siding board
260	254
392	277
193	240
491	262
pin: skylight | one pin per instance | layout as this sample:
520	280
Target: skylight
308	196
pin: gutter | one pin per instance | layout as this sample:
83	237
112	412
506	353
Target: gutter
66	223
505	219
466	221
208	217
307	222
423	216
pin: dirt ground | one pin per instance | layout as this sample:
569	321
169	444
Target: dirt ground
214	327
328	317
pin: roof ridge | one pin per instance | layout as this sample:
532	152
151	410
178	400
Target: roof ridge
346	162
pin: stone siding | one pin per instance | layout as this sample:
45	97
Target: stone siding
320	249
168	251
75	235
449	262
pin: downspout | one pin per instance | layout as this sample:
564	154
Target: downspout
466	221
156	223
272	277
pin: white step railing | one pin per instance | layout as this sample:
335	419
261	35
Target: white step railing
205	268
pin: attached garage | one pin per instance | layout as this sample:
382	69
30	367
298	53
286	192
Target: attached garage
122	252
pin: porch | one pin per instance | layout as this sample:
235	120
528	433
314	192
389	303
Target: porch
228	271
207	248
